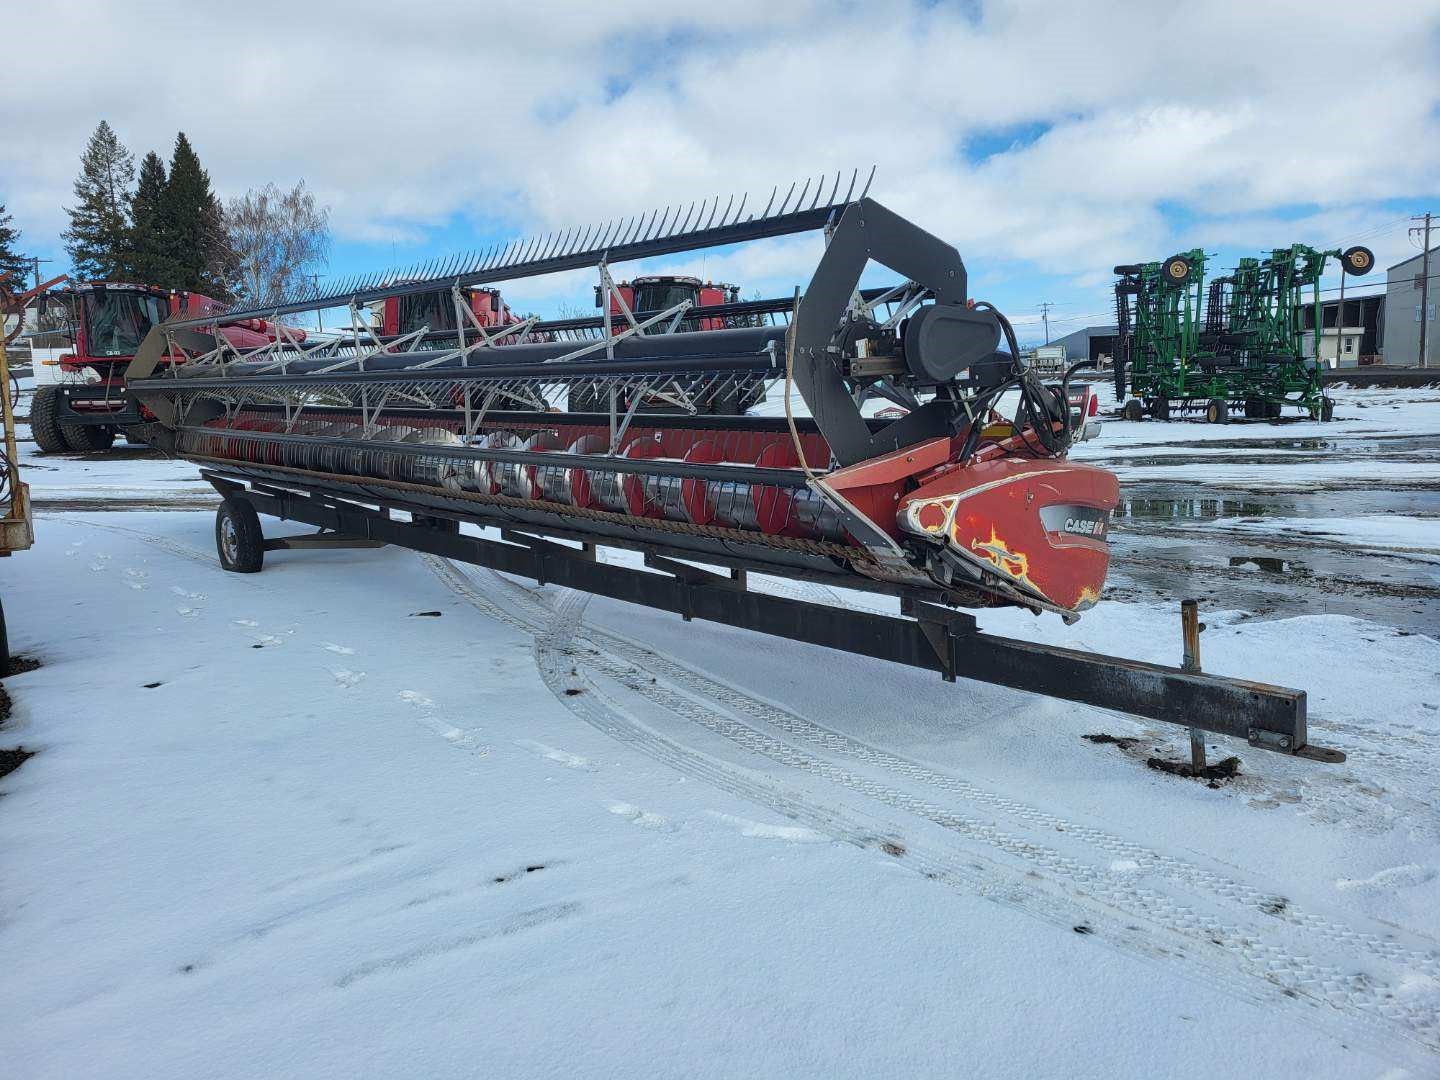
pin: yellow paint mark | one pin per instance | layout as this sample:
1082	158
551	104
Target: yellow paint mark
1013	564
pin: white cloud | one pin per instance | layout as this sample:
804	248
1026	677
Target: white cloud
520	117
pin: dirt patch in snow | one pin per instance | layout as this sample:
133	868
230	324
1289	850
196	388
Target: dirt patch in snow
12	758
1221	772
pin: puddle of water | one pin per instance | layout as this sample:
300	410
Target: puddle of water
1160	502
1266	563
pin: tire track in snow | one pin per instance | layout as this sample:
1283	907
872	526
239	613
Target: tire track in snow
1116	847
1355	996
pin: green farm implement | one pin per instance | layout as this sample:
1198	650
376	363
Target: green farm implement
1240	350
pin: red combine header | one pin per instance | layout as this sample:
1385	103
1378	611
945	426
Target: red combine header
964	499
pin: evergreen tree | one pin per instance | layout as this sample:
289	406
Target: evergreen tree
150	260
98	238
194	227
11	261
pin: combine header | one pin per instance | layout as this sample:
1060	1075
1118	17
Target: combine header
948	505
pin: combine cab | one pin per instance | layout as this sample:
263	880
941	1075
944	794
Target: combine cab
80	401
434	310
944	504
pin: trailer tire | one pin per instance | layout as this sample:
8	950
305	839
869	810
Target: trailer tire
1160	408
1133	410
44	423
88	438
239	540
1218	411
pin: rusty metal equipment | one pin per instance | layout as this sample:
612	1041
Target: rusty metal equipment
17	532
944	503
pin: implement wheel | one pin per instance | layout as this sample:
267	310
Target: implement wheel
239	539
88	438
44	425
1133	410
1326	411
1160	408
1217	412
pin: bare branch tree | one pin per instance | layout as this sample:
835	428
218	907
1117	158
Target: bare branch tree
275	238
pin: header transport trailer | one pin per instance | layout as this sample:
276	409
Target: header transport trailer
947	506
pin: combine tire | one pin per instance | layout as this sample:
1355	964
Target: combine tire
88	438
1217	412
134	435
43	423
1133	410
239	538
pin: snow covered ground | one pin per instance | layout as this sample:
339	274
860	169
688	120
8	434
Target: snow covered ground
370	814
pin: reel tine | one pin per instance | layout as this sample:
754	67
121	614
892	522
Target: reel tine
786	201
803	192
833	191
868	180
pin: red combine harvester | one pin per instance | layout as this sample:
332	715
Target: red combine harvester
85	405
949	505
660	291
434	310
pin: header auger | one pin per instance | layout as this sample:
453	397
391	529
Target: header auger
629	431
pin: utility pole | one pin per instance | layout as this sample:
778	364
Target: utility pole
1424	285
1045	307
37	261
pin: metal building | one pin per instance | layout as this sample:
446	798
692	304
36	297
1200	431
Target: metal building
1403	314
1094	343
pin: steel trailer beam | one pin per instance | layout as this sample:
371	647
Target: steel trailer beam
936	639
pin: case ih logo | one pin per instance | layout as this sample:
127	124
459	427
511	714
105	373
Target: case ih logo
1076	520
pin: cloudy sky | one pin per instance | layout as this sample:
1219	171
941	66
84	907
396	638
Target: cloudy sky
1047	141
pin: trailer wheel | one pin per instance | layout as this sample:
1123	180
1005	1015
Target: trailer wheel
88	438
44	425
1217	412
238	537
1133	410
